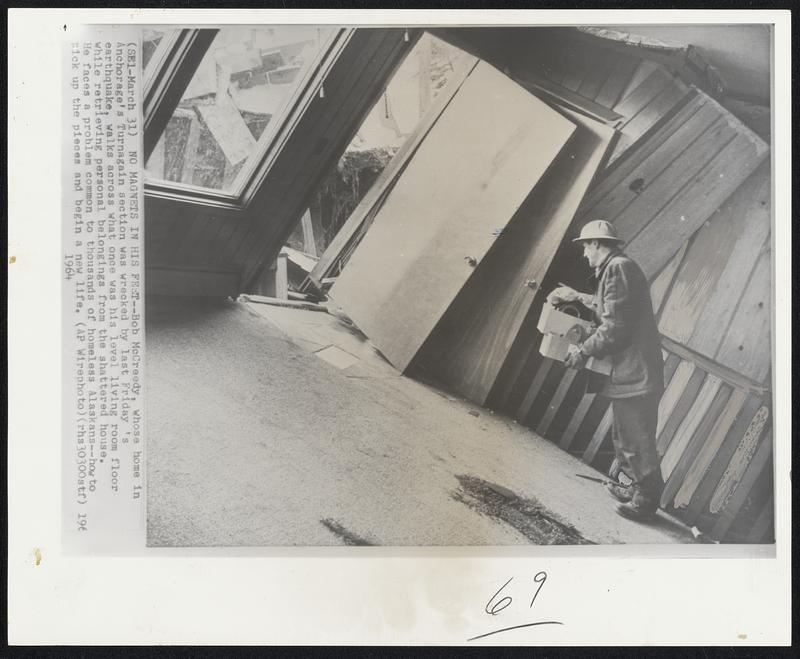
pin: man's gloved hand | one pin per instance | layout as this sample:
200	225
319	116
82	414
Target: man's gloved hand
563	294
575	358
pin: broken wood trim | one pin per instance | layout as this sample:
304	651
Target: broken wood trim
166	87
684	59
374	197
567	97
279	302
710	366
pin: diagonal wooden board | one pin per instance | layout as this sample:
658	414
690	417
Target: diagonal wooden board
473	171
473	339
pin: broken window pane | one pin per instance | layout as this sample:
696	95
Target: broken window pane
233	104
425	71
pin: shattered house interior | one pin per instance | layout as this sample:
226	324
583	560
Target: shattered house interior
350	236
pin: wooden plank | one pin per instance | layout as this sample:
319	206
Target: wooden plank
670	180
671	363
616	193
643	93
563	96
710	447
747	346
577	419
642	72
574	69
673	419
751	419
762	459
763	522
472	341
190	282
700	406
746	216
309	244
620	175
556	401
599	68
599	436
533	391
728	375
698	439
737	465
281	277
395	166
664	280
696	201
613	87
645	118
701	283
427	238
673	392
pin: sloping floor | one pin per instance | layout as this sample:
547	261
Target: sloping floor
284	427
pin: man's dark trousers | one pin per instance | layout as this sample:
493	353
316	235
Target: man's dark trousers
634	439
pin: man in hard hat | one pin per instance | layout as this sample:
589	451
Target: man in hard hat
627	333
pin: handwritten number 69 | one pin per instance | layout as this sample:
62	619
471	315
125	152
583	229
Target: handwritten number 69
494	607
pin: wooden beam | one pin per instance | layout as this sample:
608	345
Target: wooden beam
309	244
564	96
700	436
710	366
674	450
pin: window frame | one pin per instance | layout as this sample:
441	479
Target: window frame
184	54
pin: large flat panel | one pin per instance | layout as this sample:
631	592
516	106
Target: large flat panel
468	178
468	347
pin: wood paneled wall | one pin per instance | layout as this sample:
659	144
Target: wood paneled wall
697	218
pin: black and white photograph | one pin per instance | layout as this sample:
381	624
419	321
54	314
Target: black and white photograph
458	286
399	327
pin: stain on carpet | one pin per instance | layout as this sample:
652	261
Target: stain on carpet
348	537
540	525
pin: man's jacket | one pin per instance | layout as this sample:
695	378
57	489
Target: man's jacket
627	330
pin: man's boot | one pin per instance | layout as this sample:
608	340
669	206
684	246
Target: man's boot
620	492
645	500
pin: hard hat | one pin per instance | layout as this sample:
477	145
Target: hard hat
598	230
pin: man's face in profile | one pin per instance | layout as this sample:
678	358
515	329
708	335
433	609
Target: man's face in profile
591	252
